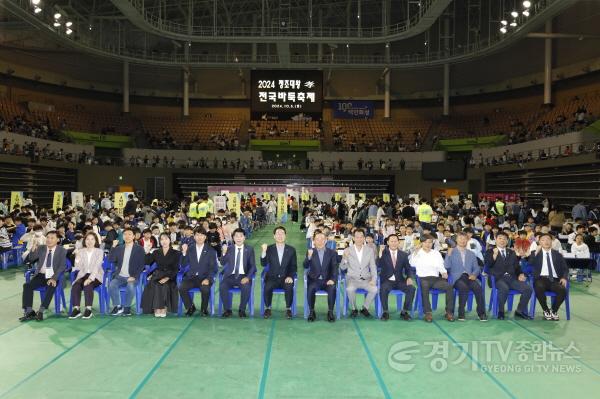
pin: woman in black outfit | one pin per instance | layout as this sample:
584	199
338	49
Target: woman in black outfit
160	294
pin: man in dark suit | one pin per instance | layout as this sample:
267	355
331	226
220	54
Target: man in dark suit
396	274
51	263
239	267
202	261
281	263
550	273
128	260
322	274
503	264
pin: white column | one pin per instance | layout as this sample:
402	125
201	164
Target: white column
126	87
548	65
186	92
446	110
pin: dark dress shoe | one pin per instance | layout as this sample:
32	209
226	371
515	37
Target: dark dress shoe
330	317
288	314
311	316
365	312
449	316
204	313
405	316
500	315
354	313
428	317
385	316
227	314
190	311
28	317
267	314
39	316
242	314
522	315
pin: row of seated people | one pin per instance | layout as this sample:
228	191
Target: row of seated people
292	129
377	135
172	274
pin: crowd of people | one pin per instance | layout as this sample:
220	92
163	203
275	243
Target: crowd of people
405	244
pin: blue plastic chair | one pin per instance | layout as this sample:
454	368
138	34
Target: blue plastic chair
233	291
434	292
493	303
552	296
358	291
471	297
193	291
18	251
99	290
138	291
321	293
399	300
279	291
8	258
59	293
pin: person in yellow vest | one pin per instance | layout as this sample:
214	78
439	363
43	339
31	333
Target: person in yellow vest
500	210
211	205
424	213
193	211
202	208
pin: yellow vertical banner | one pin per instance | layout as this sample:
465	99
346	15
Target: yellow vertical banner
233	203
281	205
194	195
16	199
337	196
386	197
267	196
362	196
305	196
120	200
57	201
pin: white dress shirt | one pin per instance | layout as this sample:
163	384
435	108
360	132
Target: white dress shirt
394	255
241	255
47	268
428	264
199	249
544	271
359	254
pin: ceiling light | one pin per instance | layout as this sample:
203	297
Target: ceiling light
35	2
504	22
68	24
513	23
56	24
37	10
526	13
514	14
527	4
57	15
503	29
69	31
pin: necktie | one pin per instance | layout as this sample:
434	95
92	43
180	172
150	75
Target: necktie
237	263
49	270
394	259
503	254
550	268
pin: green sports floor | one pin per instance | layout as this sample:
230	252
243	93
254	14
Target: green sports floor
144	357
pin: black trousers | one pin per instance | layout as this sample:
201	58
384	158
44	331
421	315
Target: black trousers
272	283
38	281
88	291
387	286
438	283
194	282
543	284
317	285
464	285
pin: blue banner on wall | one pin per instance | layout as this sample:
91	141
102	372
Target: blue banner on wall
353	109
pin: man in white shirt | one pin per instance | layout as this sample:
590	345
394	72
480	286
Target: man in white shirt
359	261
432	274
